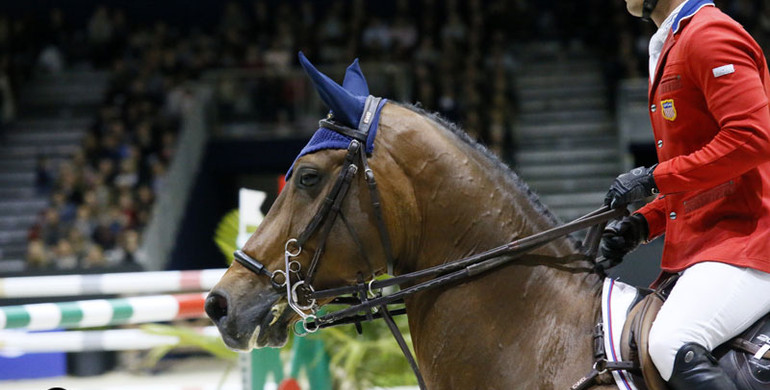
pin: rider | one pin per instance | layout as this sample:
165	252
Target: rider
708	104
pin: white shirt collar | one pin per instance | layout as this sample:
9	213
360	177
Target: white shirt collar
659	38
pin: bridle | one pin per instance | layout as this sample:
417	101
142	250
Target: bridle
366	296
300	294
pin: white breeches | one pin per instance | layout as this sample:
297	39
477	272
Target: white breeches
710	304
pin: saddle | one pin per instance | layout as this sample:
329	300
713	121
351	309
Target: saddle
746	358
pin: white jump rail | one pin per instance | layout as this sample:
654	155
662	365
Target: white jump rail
20	342
109	283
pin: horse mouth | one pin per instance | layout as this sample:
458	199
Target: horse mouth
257	326
273	331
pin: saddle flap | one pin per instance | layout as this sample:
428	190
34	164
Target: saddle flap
635	340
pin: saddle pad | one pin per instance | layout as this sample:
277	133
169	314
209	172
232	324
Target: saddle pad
617	300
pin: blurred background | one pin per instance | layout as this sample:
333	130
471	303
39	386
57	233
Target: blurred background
128	127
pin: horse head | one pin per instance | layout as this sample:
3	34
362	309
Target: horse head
438	197
323	230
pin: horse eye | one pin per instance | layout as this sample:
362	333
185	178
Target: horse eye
309	178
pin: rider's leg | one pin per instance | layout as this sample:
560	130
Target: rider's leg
696	368
710	304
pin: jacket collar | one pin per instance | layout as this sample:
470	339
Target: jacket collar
690	8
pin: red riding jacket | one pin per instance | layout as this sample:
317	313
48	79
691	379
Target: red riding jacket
710	116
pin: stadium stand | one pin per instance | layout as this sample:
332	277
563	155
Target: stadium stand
91	107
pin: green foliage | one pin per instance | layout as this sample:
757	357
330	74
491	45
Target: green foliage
187	338
226	234
370	359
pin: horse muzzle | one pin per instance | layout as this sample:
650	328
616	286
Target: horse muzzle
245	325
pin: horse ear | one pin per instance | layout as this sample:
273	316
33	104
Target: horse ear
354	80
346	107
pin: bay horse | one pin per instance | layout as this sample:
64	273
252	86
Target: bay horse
527	325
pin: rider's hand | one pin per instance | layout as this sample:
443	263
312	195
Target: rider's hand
634	185
622	236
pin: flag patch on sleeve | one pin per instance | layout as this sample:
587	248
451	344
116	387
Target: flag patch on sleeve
723	70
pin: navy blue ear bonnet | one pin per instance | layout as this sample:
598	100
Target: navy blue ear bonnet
346	103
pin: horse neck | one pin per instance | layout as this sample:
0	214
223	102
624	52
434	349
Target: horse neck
466	204
465	201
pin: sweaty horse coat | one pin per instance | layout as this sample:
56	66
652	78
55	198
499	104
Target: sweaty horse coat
709	112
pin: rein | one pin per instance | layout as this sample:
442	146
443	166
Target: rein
302	297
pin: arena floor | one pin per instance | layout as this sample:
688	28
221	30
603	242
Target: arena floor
198	373
188	374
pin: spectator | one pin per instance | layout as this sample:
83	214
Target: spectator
278	57
64	255
130	245
404	36
84	222
377	38
233	17
94	257
128	177
43	176
52	229
7	98
51	60
100	35
454	32
37	255
426	54
103	235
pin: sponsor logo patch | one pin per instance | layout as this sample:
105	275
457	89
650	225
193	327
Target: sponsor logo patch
723	70
669	111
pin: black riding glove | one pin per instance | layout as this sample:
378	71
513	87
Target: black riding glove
622	236
634	185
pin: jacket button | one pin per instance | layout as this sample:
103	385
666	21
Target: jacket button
672	215
660	143
653	108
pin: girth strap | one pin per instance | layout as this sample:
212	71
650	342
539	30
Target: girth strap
601	365
750	347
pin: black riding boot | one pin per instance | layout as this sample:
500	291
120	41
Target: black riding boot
695	368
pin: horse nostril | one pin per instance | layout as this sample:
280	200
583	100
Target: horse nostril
216	306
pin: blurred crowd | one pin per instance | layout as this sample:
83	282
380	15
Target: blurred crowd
462	58
101	199
456	53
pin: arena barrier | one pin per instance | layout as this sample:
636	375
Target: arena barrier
102	312
20	342
110	283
